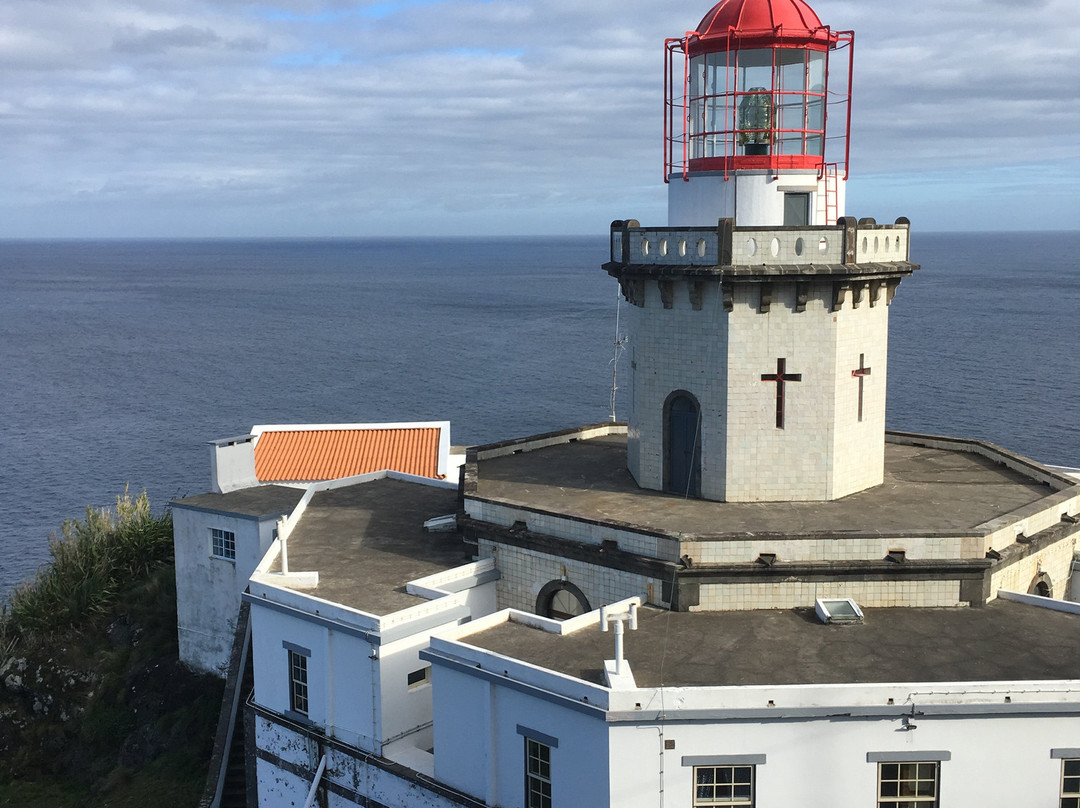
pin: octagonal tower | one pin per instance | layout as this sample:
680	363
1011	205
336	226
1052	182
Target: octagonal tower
759	320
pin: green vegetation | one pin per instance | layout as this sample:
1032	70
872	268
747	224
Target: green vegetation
95	708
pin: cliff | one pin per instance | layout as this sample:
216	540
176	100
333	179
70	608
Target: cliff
95	708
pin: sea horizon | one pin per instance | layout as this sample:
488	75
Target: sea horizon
121	359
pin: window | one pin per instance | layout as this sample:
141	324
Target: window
419	677
796	209
537	774
561	600
1070	783
223	543
908	785
298	689
723	785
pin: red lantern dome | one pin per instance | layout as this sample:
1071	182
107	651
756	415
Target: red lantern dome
753	91
760	22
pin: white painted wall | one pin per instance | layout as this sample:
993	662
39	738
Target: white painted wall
208	588
358	687
752	198
479	750
999	753
232	464
995	761
284	786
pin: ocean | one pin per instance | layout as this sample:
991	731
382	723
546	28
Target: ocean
121	360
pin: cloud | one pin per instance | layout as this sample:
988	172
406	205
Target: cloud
183	117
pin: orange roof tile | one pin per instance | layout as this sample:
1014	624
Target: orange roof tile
326	454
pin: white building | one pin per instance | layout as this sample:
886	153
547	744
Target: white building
749	594
258	479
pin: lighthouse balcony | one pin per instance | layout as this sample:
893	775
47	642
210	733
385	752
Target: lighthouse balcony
792	250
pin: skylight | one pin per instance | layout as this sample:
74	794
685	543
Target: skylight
838	610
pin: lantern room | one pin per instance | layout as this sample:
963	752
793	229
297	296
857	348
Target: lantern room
760	86
755	89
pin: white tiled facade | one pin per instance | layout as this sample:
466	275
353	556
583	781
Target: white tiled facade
1055	562
792	594
579	530
525	572
823	450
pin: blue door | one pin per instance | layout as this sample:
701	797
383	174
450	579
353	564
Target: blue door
683	454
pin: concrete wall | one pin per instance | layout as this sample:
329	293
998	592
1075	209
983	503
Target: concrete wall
208	588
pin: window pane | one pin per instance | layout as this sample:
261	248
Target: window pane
723	785
755	69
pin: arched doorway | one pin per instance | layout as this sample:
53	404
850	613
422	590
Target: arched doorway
1042	586
561	600
682	444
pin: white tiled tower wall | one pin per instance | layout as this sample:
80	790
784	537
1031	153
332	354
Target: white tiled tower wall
823	452
677	349
751	198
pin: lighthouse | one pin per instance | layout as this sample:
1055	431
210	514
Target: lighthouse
758	325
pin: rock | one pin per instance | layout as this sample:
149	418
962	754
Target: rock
142	746
120	633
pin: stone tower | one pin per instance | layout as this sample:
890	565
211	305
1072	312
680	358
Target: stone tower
759	319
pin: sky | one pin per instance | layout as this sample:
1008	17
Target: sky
327	118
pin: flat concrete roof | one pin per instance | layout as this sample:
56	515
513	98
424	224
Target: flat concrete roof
926	491
1000	641
367	541
258	501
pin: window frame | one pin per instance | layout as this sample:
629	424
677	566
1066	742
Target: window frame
226	541
418	678
538	777
299	690
1070	799
700	801
898	799
541	797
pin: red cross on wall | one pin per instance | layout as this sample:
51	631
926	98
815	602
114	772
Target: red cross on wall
780	377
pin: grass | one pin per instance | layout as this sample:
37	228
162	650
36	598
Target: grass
93	559
114	567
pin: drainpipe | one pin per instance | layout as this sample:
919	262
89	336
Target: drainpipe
315	783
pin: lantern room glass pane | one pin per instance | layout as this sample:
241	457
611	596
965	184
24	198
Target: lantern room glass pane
759	101
815	103
755	69
711	84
